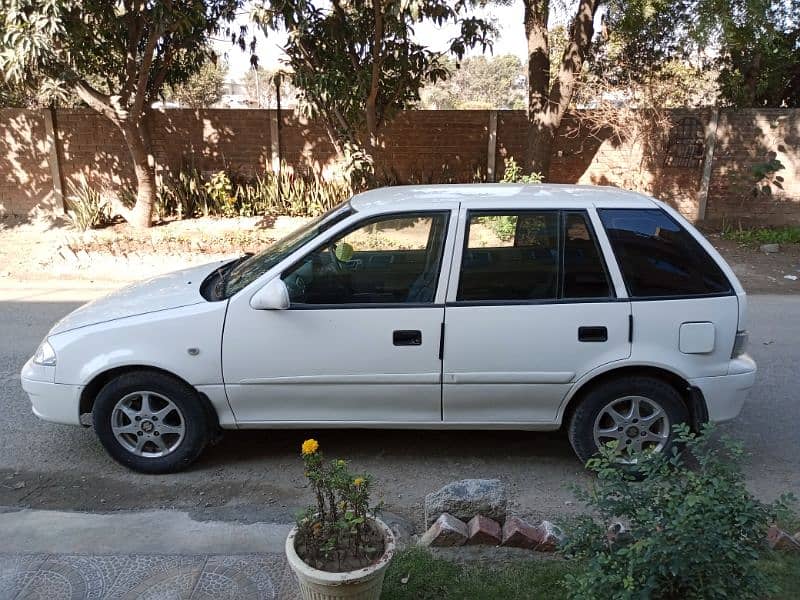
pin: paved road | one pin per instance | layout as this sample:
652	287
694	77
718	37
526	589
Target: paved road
257	475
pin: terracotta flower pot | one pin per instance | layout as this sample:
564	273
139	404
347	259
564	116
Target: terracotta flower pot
362	584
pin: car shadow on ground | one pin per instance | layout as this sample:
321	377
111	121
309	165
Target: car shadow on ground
393	444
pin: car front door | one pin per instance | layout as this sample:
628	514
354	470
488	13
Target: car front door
533	310
360	341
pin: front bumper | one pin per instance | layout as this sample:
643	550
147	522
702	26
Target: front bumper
725	394
55	402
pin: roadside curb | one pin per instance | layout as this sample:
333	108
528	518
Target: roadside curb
168	532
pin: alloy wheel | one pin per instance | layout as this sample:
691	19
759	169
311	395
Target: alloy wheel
633	424
148	424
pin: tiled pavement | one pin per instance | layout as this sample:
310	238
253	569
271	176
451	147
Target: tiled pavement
151	577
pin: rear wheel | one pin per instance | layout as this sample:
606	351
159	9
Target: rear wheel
151	422
634	414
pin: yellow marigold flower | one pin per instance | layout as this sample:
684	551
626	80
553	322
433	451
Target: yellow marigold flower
341	463
310	446
358	481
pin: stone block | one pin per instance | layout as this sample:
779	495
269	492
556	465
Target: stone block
466	498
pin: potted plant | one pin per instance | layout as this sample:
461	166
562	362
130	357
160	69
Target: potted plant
338	548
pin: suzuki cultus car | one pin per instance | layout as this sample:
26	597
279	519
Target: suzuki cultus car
530	307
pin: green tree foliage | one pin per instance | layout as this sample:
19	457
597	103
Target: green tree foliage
754	45
203	88
356	62
479	83
116	57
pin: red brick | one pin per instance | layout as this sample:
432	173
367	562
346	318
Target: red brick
445	531
483	530
519	534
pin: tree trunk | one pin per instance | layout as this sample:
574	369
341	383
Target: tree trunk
371	108
540	137
547	103
136	138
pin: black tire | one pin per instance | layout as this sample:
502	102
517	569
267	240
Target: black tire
196	422
581	426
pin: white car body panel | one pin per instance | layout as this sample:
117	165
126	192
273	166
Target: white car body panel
519	347
332	364
173	290
515	366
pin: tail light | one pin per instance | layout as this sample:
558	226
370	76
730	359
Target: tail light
739	344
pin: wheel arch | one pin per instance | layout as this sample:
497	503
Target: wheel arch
691	396
92	389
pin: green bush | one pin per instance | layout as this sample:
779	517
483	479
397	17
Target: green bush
513	173
694	531
190	194
86	209
763	235
290	193
183	195
218	196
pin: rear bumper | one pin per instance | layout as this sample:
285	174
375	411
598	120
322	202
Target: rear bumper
725	395
55	402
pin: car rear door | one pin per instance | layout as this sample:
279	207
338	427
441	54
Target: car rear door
530	309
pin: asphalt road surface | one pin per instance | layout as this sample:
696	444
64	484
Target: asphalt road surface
257	475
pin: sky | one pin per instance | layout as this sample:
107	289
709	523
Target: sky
508	20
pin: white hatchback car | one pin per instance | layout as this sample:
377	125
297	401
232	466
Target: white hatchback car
445	307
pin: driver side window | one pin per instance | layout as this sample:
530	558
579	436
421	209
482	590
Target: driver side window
393	259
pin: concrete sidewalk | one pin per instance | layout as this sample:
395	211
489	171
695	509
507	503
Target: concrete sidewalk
158	554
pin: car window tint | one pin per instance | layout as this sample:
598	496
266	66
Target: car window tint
658	257
247	271
393	259
584	271
510	256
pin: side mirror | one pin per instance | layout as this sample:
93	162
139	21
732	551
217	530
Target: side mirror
273	296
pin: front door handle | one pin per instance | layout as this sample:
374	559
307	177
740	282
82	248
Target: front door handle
592	334
407	337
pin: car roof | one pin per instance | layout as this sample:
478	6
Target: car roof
488	194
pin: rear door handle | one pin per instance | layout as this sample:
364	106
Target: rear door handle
407	337
592	334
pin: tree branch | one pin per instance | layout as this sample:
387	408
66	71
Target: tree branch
97	100
377	64
348	42
144	72
581	34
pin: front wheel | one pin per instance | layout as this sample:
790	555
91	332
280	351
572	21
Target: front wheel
150	422
634	414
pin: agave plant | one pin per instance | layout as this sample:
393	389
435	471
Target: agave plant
86	208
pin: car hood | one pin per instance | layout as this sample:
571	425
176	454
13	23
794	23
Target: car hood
172	290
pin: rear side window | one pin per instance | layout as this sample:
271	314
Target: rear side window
584	273
535	256
659	258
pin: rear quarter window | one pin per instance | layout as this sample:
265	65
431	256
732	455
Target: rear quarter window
658	257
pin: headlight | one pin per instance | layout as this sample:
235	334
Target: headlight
45	355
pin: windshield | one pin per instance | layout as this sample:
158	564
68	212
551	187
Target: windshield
246	272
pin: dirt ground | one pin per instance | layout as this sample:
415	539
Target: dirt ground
48	249
762	273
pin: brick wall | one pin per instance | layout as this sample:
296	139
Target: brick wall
416	147
26	184
749	138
